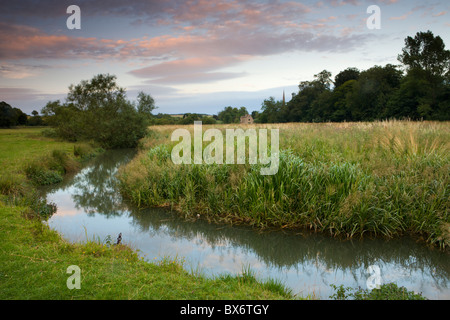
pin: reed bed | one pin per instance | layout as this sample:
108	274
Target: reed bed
348	179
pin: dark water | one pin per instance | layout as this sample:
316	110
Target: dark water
90	206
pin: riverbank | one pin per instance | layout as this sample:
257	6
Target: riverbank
35	258
382	179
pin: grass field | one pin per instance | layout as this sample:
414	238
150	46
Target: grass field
348	179
35	258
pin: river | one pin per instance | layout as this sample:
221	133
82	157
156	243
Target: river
89	206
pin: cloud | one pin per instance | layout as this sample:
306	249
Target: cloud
403	17
207	77
9	94
442	13
206	56
27	99
19	71
23	42
186	66
201	38
192	70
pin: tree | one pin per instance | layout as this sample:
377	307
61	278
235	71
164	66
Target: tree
21	117
98	110
10	116
341	94
427	52
346	75
232	115
372	91
301	107
7	115
271	111
424	90
146	104
323	79
35	120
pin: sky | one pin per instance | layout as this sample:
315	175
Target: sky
200	55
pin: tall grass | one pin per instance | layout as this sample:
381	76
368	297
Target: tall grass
351	179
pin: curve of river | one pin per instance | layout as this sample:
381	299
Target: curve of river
89	205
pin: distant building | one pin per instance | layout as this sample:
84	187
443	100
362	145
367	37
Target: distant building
247	119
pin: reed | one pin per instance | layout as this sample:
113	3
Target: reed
350	179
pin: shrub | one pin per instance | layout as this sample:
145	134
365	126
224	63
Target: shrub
40	175
50	170
388	291
97	110
11	184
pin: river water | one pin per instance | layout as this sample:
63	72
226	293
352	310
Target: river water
89	206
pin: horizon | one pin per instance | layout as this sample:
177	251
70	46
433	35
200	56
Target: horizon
199	56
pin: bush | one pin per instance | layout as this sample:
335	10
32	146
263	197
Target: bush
388	291
97	110
50	170
11	184
40	175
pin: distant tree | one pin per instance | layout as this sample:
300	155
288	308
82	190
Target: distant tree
346	75
426	52
98	110
10	116
323	78
423	93
145	105
35	120
372	91
322	107
232	115
21	117
341	106
7	115
255	115
271	111
301	107
208	120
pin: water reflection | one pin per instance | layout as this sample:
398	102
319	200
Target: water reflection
302	260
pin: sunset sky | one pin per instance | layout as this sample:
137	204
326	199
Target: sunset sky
199	56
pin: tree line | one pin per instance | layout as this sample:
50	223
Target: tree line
417	89
11	117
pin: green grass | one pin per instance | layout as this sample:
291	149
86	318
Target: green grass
35	258
351	179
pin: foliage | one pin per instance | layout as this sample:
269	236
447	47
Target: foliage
98	110
378	93
426	52
231	115
388	291
10	116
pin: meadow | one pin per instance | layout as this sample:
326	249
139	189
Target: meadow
35	258
382	179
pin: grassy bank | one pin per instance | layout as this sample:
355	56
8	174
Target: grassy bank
348	179
35	258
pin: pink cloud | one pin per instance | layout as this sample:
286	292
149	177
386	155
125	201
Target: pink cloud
403	17
22	42
442	13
